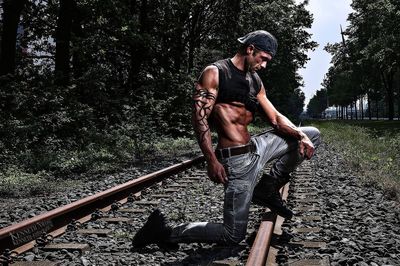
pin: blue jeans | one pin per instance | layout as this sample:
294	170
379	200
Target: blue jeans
242	177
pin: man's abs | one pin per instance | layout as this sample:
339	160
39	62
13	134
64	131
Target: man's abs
231	121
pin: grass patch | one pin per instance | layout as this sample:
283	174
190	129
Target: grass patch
55	170
122	235
176	146
17	183
370	148
376	127
256	128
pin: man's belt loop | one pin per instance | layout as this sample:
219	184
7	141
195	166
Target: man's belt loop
229	152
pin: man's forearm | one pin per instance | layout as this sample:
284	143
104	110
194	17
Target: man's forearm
203	136
284	126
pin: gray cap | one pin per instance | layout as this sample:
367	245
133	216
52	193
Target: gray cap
262	40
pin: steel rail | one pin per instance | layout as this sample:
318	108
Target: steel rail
259	251
18	234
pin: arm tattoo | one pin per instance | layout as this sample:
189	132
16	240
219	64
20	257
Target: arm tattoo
203	101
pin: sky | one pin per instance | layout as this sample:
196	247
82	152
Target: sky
328	16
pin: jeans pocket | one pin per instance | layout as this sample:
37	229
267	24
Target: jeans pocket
239	165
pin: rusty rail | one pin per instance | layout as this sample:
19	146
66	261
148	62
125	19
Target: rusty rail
259	251
17	235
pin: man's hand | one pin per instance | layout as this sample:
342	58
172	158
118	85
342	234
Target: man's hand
216	172
306	147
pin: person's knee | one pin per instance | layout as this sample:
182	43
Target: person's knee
313	134
234	237
316	137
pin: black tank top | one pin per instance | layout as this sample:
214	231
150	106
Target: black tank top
236	85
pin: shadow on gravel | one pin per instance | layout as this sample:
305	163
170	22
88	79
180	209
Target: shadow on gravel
205	256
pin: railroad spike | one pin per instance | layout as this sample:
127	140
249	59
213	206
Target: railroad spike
73	225
43	240
97	214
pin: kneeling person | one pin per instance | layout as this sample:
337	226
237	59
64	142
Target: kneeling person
229	92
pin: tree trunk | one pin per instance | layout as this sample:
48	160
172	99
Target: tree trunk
388	84
337	114
355	110
398	91
11	15
342	112
77	35
351	111
362	107
177	55
390	99
178	49
138	50
369	107
63	39
193	35
398	98
377	109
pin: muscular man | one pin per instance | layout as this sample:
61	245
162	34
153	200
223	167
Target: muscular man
228	93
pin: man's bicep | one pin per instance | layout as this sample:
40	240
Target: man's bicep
203	103
204	94
206	90
204	98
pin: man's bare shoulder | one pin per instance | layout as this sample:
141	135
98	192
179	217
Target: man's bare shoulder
209	71
209	77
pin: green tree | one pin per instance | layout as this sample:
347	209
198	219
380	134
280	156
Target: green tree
11	17
98	71
317	104
371	55
288	22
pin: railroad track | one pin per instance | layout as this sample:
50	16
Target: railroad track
104	223
301	241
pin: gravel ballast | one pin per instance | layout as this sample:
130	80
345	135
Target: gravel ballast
359	224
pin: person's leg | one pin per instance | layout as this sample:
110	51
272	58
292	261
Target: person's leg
242	173
200	232
288	154
273	146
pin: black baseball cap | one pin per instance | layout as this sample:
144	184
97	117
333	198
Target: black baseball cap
262	40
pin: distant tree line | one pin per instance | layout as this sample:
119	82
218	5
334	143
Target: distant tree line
76	74
366	64
317	105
